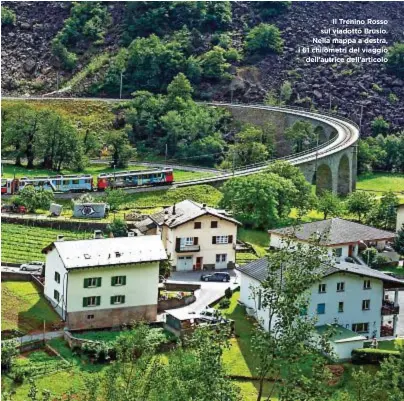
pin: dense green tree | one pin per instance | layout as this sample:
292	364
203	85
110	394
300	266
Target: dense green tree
329	204
379	126
360	203
9	351
390	376
115	198
91	143
7	16
268	9
118	228
213	63
301	134
121	149
395	59
399	241
264	38
180	87
286	340
384	213
34	199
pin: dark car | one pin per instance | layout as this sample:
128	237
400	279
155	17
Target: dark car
224	277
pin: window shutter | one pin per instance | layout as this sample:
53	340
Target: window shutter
84	300
230	239
86	283
177	243
124	280
213	240
99	281
98	300
123	299
195	240
113	281
112	300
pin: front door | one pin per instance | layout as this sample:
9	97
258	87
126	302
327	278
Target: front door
199	263
221	261
350	251
184	263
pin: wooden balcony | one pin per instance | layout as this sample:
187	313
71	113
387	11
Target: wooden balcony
390	309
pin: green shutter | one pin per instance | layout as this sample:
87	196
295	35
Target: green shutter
84	299
124	280
112	300
123	299
98	281
98	300
113	281
85	282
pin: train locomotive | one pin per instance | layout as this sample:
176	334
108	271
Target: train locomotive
84	183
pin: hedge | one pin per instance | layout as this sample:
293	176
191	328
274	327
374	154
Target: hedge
371	355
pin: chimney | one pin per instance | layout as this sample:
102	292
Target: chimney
98	234
173	209
60	238
131	234
203	205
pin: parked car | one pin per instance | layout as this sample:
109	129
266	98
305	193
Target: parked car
211	312
32	266
13	209
224	277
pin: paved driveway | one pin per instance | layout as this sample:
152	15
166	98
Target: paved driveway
209	292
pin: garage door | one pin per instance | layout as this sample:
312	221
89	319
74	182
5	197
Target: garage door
184	263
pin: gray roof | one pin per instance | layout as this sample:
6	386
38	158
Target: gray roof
109	251
185	211
334	231
258	269
144	225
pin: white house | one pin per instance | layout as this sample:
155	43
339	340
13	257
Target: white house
195	235
349	295
400	217
343	238
104	282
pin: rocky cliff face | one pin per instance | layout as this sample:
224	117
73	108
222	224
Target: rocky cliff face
28	66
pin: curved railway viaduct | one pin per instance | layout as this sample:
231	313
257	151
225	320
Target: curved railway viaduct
331	165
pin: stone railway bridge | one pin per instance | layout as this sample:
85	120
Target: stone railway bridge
332	165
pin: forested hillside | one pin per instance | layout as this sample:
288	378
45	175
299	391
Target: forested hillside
239	51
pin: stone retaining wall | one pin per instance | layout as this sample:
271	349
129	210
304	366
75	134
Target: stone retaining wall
174	303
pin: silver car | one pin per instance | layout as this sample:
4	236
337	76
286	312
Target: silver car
32	266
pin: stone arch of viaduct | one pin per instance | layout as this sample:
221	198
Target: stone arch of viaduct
334	170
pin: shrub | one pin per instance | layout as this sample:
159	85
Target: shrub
7	16
379	126
395	59
393	98
232	54
224	303
9	351
269	9
264	38
370	355
228	293
214	63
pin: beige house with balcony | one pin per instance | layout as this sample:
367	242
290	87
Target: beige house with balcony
194	235
400	217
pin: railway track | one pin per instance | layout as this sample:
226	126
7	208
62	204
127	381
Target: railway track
347	136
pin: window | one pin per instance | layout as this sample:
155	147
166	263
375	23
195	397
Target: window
92	282
360	327
222	239
321	309
189	241
117	299
340	307
91	301
322	288
213	224
338	252
90	317
366	285
57	277
118	280
340	287
197	225
259	299
75	182
221	257
366	304
56	295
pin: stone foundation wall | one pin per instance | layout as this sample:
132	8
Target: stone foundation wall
111	317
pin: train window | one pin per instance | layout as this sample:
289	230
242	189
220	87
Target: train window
75	182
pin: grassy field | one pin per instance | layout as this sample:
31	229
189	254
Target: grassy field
21	243
23	308
9	171
381	182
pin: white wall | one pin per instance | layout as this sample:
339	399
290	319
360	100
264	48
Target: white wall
344	350
207	250
141	286
400	217
55	264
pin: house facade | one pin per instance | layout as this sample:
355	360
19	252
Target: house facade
104	282
195	236
343	238
400	217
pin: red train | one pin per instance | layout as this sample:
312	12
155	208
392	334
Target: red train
84	183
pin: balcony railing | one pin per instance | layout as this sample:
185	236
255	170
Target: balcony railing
390	309
188	248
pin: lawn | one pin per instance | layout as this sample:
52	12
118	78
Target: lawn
381	182
23	308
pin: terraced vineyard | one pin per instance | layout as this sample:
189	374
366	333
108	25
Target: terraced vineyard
21	243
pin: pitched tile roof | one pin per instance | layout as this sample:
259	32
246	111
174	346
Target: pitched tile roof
334	231
258	269
109	251
185	211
